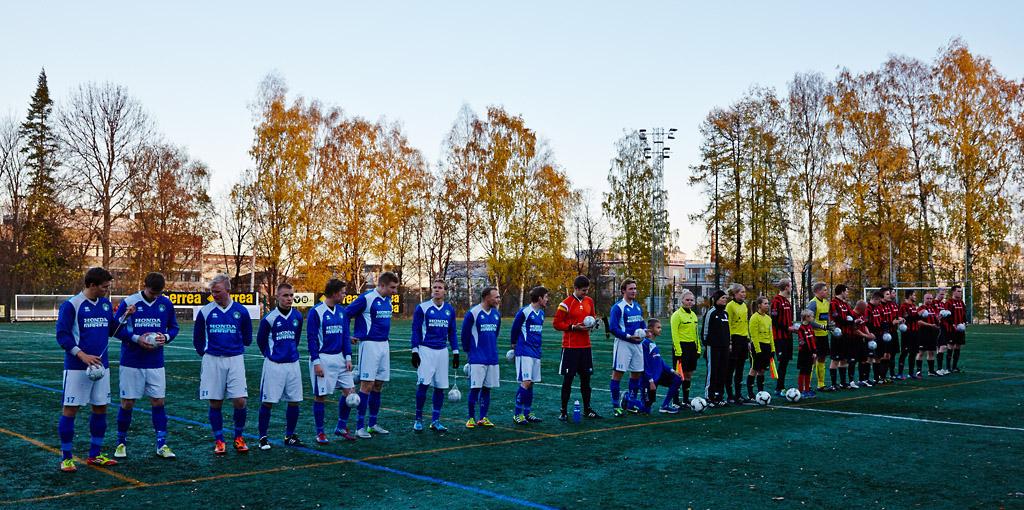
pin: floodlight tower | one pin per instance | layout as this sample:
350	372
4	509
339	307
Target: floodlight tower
655	149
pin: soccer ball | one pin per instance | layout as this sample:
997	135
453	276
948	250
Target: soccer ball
454	395
698	404
148	339
837	332
924	314
793	395
510	355
872	345
945	313
640	333
903	328
95	372
849	318
465	368
961	327
352	400
589	321
886	337
763	398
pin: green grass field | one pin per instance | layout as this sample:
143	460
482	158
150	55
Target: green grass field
950	442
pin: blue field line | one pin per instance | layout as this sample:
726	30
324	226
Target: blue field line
414	476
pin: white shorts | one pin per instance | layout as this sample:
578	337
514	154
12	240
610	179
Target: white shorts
374	361
433	369
220	373
138	382
481	376
335	375
627	357
281	381
527	368
79	390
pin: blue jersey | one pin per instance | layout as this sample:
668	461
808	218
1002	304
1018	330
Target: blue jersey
527	327
434	326
149	317
84	325
626	318
654	365
372	313
480	335
327	332
279	334
222	331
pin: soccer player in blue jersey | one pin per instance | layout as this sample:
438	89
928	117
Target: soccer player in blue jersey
85	324
433	330
221	332
141	372
658	373
527	327
480	329
372	314
625	319
278	339
330	358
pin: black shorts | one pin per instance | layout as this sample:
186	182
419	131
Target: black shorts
890	347
927	339
804	361
908	341
740	348
666	379
958	337
759	360
821	343
576	360
838	347
688	358
784	347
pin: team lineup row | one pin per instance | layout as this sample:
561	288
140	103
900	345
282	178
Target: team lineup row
145	322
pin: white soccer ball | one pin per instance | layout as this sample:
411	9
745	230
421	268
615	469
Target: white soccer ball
640	333
589	321
793	395
95	372
510	355
849	318
465	368
886	337
148	339
961	327
698	404
903	328
454	395
872	345
924	314
352	400
945	313
837	332
763	398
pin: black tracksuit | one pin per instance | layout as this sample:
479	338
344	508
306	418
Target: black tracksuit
715	337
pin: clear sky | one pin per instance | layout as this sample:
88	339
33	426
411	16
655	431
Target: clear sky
579	72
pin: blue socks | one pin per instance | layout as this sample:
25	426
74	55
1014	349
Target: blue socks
66	431
528	405
632	396
318	416
438	401
239	417
520	401
124	422
344	411
361	410
217	424
374	407
485	401
673	391
291	419
160	425
421	399
97	429
264	420
614	387
474	394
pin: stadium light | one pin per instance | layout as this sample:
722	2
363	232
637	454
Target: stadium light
654	148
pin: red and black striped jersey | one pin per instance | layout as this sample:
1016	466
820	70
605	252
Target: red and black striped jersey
890	312
909	312
959	310
933	313
782	318
839	310
873	317
805	337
